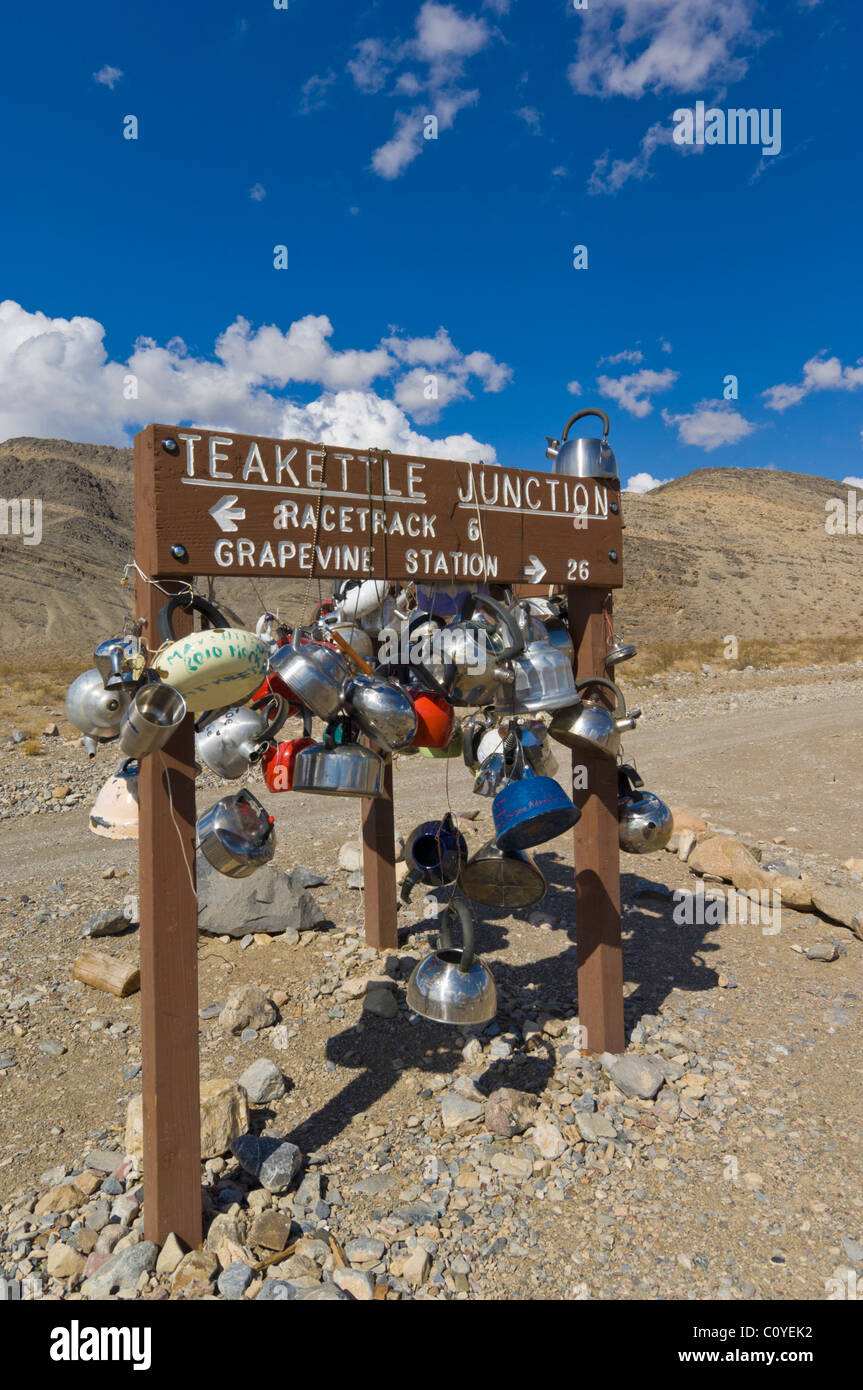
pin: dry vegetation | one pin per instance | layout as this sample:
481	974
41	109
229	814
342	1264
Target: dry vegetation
657	657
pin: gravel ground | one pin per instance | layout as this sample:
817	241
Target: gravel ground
739	1178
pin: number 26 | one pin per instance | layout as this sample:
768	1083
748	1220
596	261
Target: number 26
578	569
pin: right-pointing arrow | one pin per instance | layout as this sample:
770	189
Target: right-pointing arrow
535	570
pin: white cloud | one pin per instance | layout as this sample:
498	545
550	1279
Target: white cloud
443	40
643	482
574	388
531	118
820	373
440	373
502	6
108	76
258	193
314	92
664	344
629	47
609	176
560	172
852	482
632	392
633	355
710	425
60	383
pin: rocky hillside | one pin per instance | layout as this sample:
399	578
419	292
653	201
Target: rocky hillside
719	551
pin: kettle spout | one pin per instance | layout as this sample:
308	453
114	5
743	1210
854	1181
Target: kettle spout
90	745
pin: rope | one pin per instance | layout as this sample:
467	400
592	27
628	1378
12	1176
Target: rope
308	594
176	822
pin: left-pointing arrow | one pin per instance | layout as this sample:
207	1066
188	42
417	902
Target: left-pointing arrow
227	513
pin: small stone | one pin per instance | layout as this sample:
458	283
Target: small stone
306	878
351	856
61	1198
247	1007
109	922
196	1273
416	1268
58	793
823	950
277	1291
365	1250
52	1048
381	1002
842	905
509	1112
64	1261
548	1139
634	1075
356	1283
50	731
170	1255
224	1112
838	1018
270	1230
456	1110
263	1081
273	1162
234	1280
853	1249
686	842
594	1127
120	1273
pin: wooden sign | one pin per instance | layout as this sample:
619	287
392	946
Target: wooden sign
244	505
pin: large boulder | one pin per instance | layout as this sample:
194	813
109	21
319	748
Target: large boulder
267	901
842	905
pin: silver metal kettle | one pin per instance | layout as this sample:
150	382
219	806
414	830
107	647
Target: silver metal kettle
589	724
451	985
583	457
97	712
237	835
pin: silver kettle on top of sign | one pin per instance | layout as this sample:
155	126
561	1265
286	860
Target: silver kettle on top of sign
583	457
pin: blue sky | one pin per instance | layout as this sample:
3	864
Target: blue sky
437	265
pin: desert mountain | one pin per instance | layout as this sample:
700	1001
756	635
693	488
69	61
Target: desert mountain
722	550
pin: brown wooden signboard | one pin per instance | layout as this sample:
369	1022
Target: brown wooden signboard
209	503
244	505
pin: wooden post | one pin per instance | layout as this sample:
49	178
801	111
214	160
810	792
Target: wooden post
596	850
379	868
169	941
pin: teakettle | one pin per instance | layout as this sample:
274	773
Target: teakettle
470	657
451	985
645	821
583	458
435	853
212	668
229	744
314	671
529	810
237	835
543	675
382	708
589	724
115	810
114	660
97	712
334	768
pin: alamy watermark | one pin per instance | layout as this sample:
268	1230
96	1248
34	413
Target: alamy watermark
21	516
758	907
844	518
737	126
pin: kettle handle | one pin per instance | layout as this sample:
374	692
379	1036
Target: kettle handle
191	603
279	716
513	632
456	908
579	414
620	706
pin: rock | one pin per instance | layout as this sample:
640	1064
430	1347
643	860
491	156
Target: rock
233	1281
842	905
170	1255
196	1273
823	950
110	922
262	1081
324	1293
594	1128
62	1198
548	1139
634	1075
351	856
277	1291
121	1272
270	1230
416	1268
854	866
267	901
838	1018
686	842
357	879
274	1162
105	1160
725	857
353	1281
784	867
61	791
50	731
246	1007
552	1027
456	1110
683	819
224	1116
64	1261
509	1112
472	1052
380	1001
306	878
52	1048
853	1249
130	908
512	1165
365	1250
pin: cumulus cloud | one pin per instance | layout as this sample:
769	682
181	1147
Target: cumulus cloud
629	47
710	425
632	355
643	482
314	92
60	382
107	76
609	176
633	392
443	40
531	118
574	388
440	373
820	373
852	482
257	193
664	344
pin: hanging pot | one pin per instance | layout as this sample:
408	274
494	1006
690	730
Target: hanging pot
274	685
279	760
469	657
451	985
315	671
115	810
435	852
215	667
237	835
543	678
589	724
645	821
156	712
382	708
550	613
97	712
339	769
474	729
533	737
531	810
452	750
229	744
583	458
358	598
502	878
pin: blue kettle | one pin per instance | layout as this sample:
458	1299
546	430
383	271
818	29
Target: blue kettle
436	853
531	809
